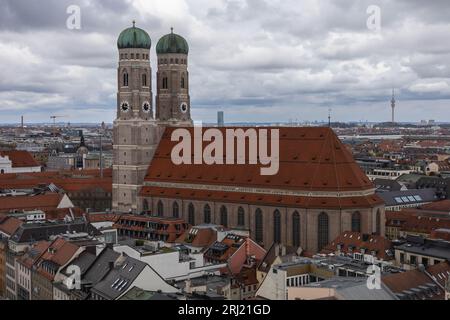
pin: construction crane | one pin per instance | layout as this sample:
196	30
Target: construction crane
54	122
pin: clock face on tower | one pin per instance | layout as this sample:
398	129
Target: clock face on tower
146	107
125	107
184	107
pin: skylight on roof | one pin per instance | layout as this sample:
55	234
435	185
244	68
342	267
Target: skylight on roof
398	200
418	198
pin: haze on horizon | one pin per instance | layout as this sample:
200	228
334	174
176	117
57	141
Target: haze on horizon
259	61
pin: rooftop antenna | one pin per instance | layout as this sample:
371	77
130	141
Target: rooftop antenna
329	118
393	105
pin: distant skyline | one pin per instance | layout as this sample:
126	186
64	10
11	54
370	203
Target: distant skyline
256	60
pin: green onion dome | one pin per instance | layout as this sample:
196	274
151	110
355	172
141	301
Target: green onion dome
172	43
134	38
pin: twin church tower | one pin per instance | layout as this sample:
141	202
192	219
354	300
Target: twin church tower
138	128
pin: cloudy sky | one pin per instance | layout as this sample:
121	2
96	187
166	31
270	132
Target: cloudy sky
258	60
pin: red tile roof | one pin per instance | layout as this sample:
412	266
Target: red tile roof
9	225
40	202
356	241
311	159
203	238
20	159
263	199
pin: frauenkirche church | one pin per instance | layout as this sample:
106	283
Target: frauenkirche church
318	193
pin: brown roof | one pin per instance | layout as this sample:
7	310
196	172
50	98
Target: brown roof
408	280
357	241
20	159
311	159
263	199
204	237
442	206
70	181
59	252
9	225
41	202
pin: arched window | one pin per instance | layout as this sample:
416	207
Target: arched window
144	80
191	214
378	222
356	222
224	216
160	209
207	214
323	231
145	205
165	83
176	210
277	226
241	217
125	79
296	229
259	236
182	83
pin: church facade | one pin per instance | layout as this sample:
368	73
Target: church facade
318	192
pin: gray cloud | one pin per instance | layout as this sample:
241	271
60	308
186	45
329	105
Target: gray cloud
259	60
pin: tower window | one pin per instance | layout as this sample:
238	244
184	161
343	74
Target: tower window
125	79
182	83
259	226
176	61
137	56
171	60
121	56
132	56
241	217
144	80
165	61
165	84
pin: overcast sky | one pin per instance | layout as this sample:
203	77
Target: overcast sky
257	60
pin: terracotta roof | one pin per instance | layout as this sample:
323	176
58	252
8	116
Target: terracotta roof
311	159
263	199
414	220
9	225
357	241
70	181
443	206
202	238
102	217
41	202
405	281
20	159
62	252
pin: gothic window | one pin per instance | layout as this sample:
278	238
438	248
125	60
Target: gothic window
125	79
144	80
137	56
296	229
207	214
277	226
160	210
356	222
165	83
241	217
176	210
182	82
145	205
378	222
259	226
323	231
191	214
224	216
132	56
